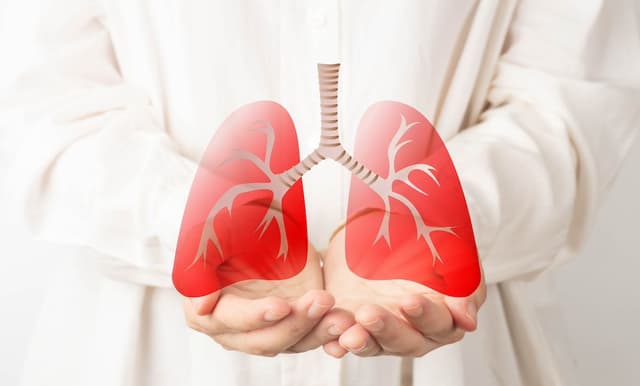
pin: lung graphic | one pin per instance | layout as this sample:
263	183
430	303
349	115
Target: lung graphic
411	221
242	220
407	216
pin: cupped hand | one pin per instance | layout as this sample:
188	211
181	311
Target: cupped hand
394	317
264	317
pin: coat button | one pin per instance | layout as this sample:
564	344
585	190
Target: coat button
318	19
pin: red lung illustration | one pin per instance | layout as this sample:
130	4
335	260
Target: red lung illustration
241	220
412	222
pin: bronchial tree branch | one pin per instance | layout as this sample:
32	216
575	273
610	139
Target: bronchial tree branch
330	146
224	203
423	230
276	186
384	188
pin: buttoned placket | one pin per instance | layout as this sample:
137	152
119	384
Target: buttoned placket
326	35
322	22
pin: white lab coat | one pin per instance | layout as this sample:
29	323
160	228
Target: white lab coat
115	101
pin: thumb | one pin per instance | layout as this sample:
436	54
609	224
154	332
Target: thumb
204	305
464	312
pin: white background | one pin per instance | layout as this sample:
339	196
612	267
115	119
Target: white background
600	288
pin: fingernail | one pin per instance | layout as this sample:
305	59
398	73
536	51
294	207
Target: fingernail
472	311
272	316
361	349
375	326
333	330
316	310
414	311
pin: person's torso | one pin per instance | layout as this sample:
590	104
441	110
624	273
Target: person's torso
199	61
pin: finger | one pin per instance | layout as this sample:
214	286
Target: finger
205	304
306	312
464	312
394	335
359	342
236	314
432	318
334	349
334	323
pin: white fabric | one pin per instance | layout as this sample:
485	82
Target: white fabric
109	105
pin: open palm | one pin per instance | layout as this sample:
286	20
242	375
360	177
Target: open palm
267	317
396	317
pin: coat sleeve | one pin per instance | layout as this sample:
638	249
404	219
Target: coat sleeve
562	110
93	164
